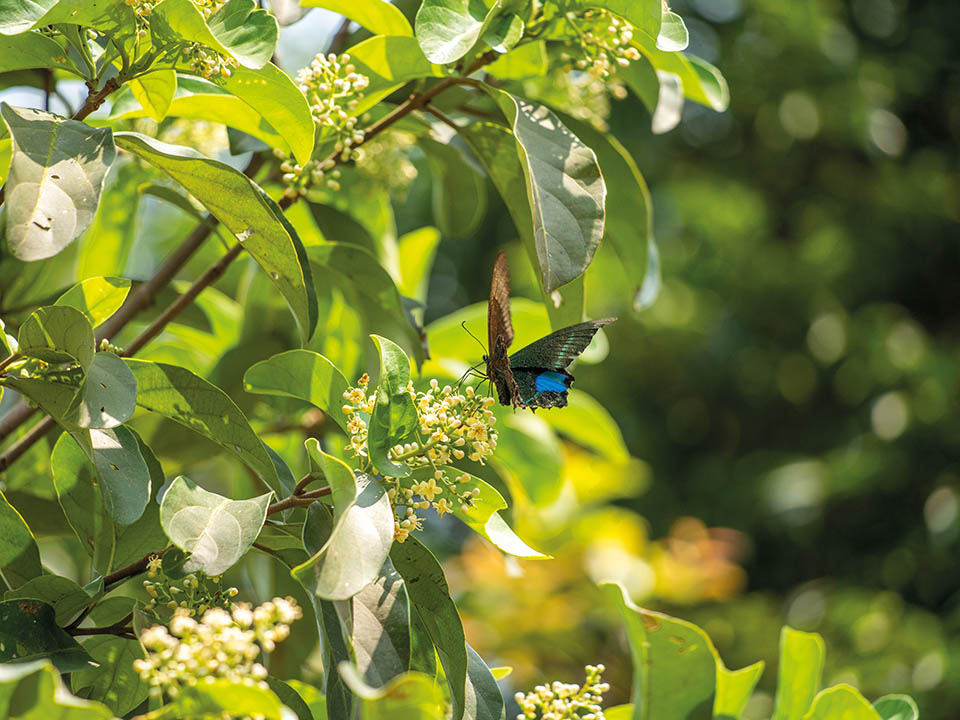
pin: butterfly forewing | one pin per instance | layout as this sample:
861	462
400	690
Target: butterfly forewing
558	349
498	311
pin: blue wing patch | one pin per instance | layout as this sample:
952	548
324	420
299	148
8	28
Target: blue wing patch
551	382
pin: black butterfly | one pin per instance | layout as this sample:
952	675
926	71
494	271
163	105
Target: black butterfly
534	376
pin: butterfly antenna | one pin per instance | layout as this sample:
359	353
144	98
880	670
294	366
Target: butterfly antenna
482	346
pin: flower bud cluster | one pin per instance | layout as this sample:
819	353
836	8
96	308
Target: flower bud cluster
208	63
451	427
333	88
192	594
221	644
565	701
297	179
208	7
604	40
107	346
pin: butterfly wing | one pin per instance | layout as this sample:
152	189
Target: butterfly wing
500	333
539	369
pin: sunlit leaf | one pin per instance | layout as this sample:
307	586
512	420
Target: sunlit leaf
155	92
30	50
447	29
34	690
58	335
412	696
673	35
108	395
798	674
97	297
394	416
247	31
841	701
389	61
17	16
378	16
215	530
734	689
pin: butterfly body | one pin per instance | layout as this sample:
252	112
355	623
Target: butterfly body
536	375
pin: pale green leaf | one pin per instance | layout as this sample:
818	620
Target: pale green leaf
301	374
673	35
504	32
248	32
897	707
589	424
29	631
215	530
19	554
734	688
98	297
841	702
178	394
643	14
389	61
222	696
448	29
411	696
34	691
378	16
58	335
246	211
108	395
30	50
362	518
17	16
798	676
379	627
155	92
527	60
701	81
394	417
529	457
56	174
417	251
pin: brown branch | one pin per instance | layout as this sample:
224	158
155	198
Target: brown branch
304	481
339	41
297	500
124	631
442	118
134	568
96	97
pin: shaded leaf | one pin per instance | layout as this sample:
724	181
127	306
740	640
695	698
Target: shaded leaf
246	211
430	597
64	595
108	395
483	698
115	683
379	627
34	690
29	631
188	399
19	554
377	16
394	416
56	174
248	32
289	697
301	374
458	192
215	530
122	471
58	335
97	297
30	50
896	707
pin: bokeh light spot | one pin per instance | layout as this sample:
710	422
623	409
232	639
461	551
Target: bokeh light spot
887	132
799	115
827	338
889	415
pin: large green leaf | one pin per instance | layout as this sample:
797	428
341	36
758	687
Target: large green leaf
798	677
389	61
249	32
30	50
362	518
56	173
394	416
674	663
34	691
123	473
701	81
115	683
564	188
19	554
301	374
97	297
29	631
65	596
155	92
178	394
645	15
379	627
417	250
841	702
529	456
483	700
673	35
378	16
896	707
246	211
589	424
17	16
430	597
411	696
448	29
108	395
215	530
58	335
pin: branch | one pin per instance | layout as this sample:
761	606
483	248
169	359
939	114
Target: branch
96	97
298	500
134	568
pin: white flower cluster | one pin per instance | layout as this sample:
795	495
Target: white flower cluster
565	701
333	88
384	159
452	426
195	597
605	41
221	645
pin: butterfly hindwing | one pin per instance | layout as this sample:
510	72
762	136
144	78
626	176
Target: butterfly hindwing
543	388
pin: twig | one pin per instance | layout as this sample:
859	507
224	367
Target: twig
442	118
134	568
339	41
96	97
304	481
297	500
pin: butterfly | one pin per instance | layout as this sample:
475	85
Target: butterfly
535	376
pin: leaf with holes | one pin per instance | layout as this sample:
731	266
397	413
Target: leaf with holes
108	395
215	530
56	174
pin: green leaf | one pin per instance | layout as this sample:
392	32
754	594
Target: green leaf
18	16
98	297
123	473
58	335
188	399
394	416
483	698
66	597
236	29
379	627
628	225
247	31
301	374
29	631
430	597
564	187
527	60
458	192
734	688
701	81
412	696
314	699
221	696
529	457
448	29
30	50
377	16
108	395
277	99
896	707
19	554
116	224
589	424
115	683
215	530
504	32
389	61
798	677
619	712
362	518
841	701
246	211
155	91
34	691
417	250
53	397
56	174
117	18
673	35
643	14
674	663
289	697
